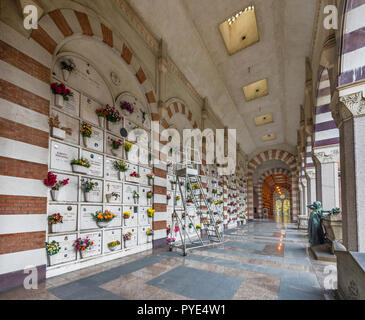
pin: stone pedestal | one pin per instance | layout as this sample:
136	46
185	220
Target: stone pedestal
311	181
333	227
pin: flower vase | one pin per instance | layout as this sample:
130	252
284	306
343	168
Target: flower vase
101	121
66	74
102	224
58	133
85	141
79	169
108	197
114	152
82	254
150	220
59	101
112	248
87	196
54	195
126	244
55	228
149	239
126	156
168	201
135	200
150	182
108	125
121	175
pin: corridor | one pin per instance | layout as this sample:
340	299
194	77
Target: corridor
263	260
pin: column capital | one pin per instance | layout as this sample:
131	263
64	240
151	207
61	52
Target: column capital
304	183
327	155
349	107
311	173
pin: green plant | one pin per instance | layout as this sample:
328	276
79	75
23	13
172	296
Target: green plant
113	244
120	165
81	162
53	248
88	186
135	195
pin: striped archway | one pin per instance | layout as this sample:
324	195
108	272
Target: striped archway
290	161
177	106
280	177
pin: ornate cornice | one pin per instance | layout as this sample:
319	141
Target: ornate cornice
353	106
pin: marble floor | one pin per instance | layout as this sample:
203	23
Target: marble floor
264	260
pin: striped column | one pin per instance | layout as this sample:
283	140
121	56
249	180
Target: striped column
353	43
310	172
24	133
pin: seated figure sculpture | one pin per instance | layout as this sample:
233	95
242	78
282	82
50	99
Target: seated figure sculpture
315	229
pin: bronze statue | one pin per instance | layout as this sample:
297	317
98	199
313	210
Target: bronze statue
315	228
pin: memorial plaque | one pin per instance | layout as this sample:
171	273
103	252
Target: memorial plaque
109	148
67	252
169	215
96	248
113	192
142	234
128	192
133	219
132	168
96	195
133	242
70	106
96	141
96	161
117	211
70	192
169	185
87	221
88	108
143	201
112	236
144	156
69	214
62	155
143	217
110	172
69	123
144	172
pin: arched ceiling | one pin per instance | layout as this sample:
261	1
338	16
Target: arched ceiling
191	30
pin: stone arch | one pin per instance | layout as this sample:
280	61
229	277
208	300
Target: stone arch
283	156
58	25
178	106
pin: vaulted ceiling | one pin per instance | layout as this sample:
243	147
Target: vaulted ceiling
191	30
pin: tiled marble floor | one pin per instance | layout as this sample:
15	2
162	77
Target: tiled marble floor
261	261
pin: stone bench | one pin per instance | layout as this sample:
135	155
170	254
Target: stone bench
350	273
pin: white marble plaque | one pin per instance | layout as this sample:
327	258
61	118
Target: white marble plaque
110	172
96	195
133	219
70	123
117	211
114	152
133	242
96	161
96	141
88	108
62	155
142	234
67	252
143	216
143	172
70	192
96	248
128	192
113	188
112	236
143	201
132	168
69	214
87	221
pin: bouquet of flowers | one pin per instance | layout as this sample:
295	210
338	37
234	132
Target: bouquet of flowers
171	240
149	232
116	144
113	244
86	130
178	198
150	176
67	65
127	236
125	105
111	114
88	186
149	195
51	181
198	227
150	212
83	244
126	215
120	165
61	90
55	219
135	174
127	146
53	248
168	197
81	162
168	230
101	216
135	195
